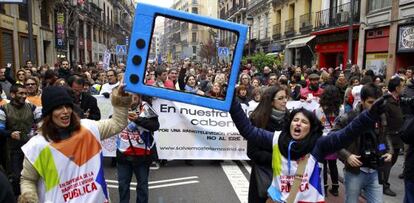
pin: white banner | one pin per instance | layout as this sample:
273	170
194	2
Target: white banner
105	106
106	59
194	132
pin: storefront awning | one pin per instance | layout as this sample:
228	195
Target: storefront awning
301	42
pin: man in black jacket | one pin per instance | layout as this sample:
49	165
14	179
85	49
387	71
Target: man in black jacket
406	136
86	102
360	172
395	121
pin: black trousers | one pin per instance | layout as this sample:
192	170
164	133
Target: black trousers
389	165
333	169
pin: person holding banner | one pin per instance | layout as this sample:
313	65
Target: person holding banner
136	149
299	148
271	114
63	163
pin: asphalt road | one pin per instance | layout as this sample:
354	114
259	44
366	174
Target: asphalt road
207	182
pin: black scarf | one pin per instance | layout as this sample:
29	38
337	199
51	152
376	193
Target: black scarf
277	120
300	147
65	133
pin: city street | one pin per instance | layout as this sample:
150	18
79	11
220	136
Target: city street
212	182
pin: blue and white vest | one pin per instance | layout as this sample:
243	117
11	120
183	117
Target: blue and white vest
284	170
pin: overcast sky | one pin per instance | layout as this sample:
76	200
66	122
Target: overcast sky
162	3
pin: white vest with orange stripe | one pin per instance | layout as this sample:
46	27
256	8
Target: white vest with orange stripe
70	170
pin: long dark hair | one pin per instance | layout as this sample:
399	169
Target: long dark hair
330	100
51	131
260	116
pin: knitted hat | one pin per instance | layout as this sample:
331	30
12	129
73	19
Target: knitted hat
53	97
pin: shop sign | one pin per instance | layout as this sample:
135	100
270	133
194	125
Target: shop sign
60	30
322	39
406	38
275	47
376	62
13	1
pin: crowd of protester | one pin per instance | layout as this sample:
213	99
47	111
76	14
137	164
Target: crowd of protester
341	94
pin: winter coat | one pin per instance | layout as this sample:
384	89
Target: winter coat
395	121
261	158
355	147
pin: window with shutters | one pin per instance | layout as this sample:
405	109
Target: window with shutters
23	12
374	5
44	14
2	10
24	49
6	50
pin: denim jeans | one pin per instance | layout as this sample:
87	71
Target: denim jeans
141	171
409	191
355	183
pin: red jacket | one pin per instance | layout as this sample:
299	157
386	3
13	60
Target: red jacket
304	92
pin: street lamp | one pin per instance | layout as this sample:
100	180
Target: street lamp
249	23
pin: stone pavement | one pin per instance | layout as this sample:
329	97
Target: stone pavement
397	185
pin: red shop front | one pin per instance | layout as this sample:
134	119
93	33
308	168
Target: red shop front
405	46
332	47
376	50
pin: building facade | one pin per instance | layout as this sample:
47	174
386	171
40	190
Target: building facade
387	36
187	39
77	30
234	11
292	24
14	33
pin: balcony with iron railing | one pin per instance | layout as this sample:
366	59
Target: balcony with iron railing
276	31
176	27
184	27
337	16
290	27
236	8
95	11
276	3
254	3
305	23
223	14
176	37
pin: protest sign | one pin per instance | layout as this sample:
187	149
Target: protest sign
106	59
105	106
311	105
193	132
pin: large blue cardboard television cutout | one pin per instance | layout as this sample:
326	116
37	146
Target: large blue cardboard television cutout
161	35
